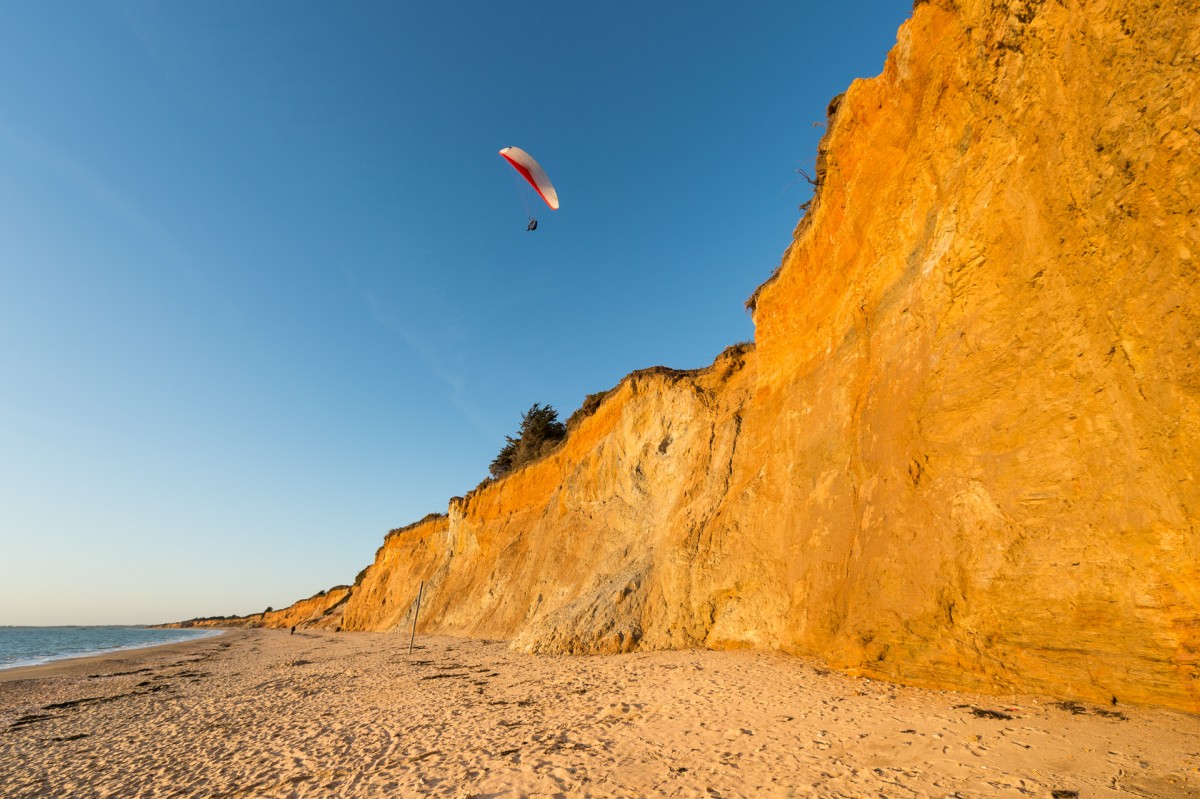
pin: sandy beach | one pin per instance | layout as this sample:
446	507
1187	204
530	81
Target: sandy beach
262	713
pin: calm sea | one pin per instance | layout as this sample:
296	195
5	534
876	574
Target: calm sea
29	646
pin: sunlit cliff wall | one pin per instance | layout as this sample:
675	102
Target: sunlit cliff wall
979	366
964	450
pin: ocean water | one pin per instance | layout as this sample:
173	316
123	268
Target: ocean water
29	646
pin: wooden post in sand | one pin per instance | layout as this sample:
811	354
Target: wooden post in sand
416	613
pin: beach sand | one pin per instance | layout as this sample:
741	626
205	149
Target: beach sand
261	713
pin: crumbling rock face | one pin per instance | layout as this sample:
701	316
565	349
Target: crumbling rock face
983	352
588	549
385	596
964	450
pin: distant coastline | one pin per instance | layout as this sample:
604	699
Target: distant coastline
22	646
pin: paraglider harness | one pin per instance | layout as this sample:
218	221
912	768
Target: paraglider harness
532	224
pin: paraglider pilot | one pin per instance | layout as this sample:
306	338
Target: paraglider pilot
532	171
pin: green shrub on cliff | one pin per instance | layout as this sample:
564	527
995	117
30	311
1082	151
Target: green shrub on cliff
540	433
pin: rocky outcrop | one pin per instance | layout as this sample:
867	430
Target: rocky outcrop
387	589
964	449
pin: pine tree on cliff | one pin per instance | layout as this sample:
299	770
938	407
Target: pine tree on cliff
539	434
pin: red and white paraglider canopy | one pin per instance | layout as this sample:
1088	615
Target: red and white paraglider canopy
532	171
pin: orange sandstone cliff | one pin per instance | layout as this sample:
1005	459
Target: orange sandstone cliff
963	451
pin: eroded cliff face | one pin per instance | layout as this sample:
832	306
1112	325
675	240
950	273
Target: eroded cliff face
982	352
589	549
964	450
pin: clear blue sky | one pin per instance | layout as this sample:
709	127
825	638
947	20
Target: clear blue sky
265	286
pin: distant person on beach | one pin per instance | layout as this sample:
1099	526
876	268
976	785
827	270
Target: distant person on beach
293	629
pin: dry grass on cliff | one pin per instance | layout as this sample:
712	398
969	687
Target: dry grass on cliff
428	517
